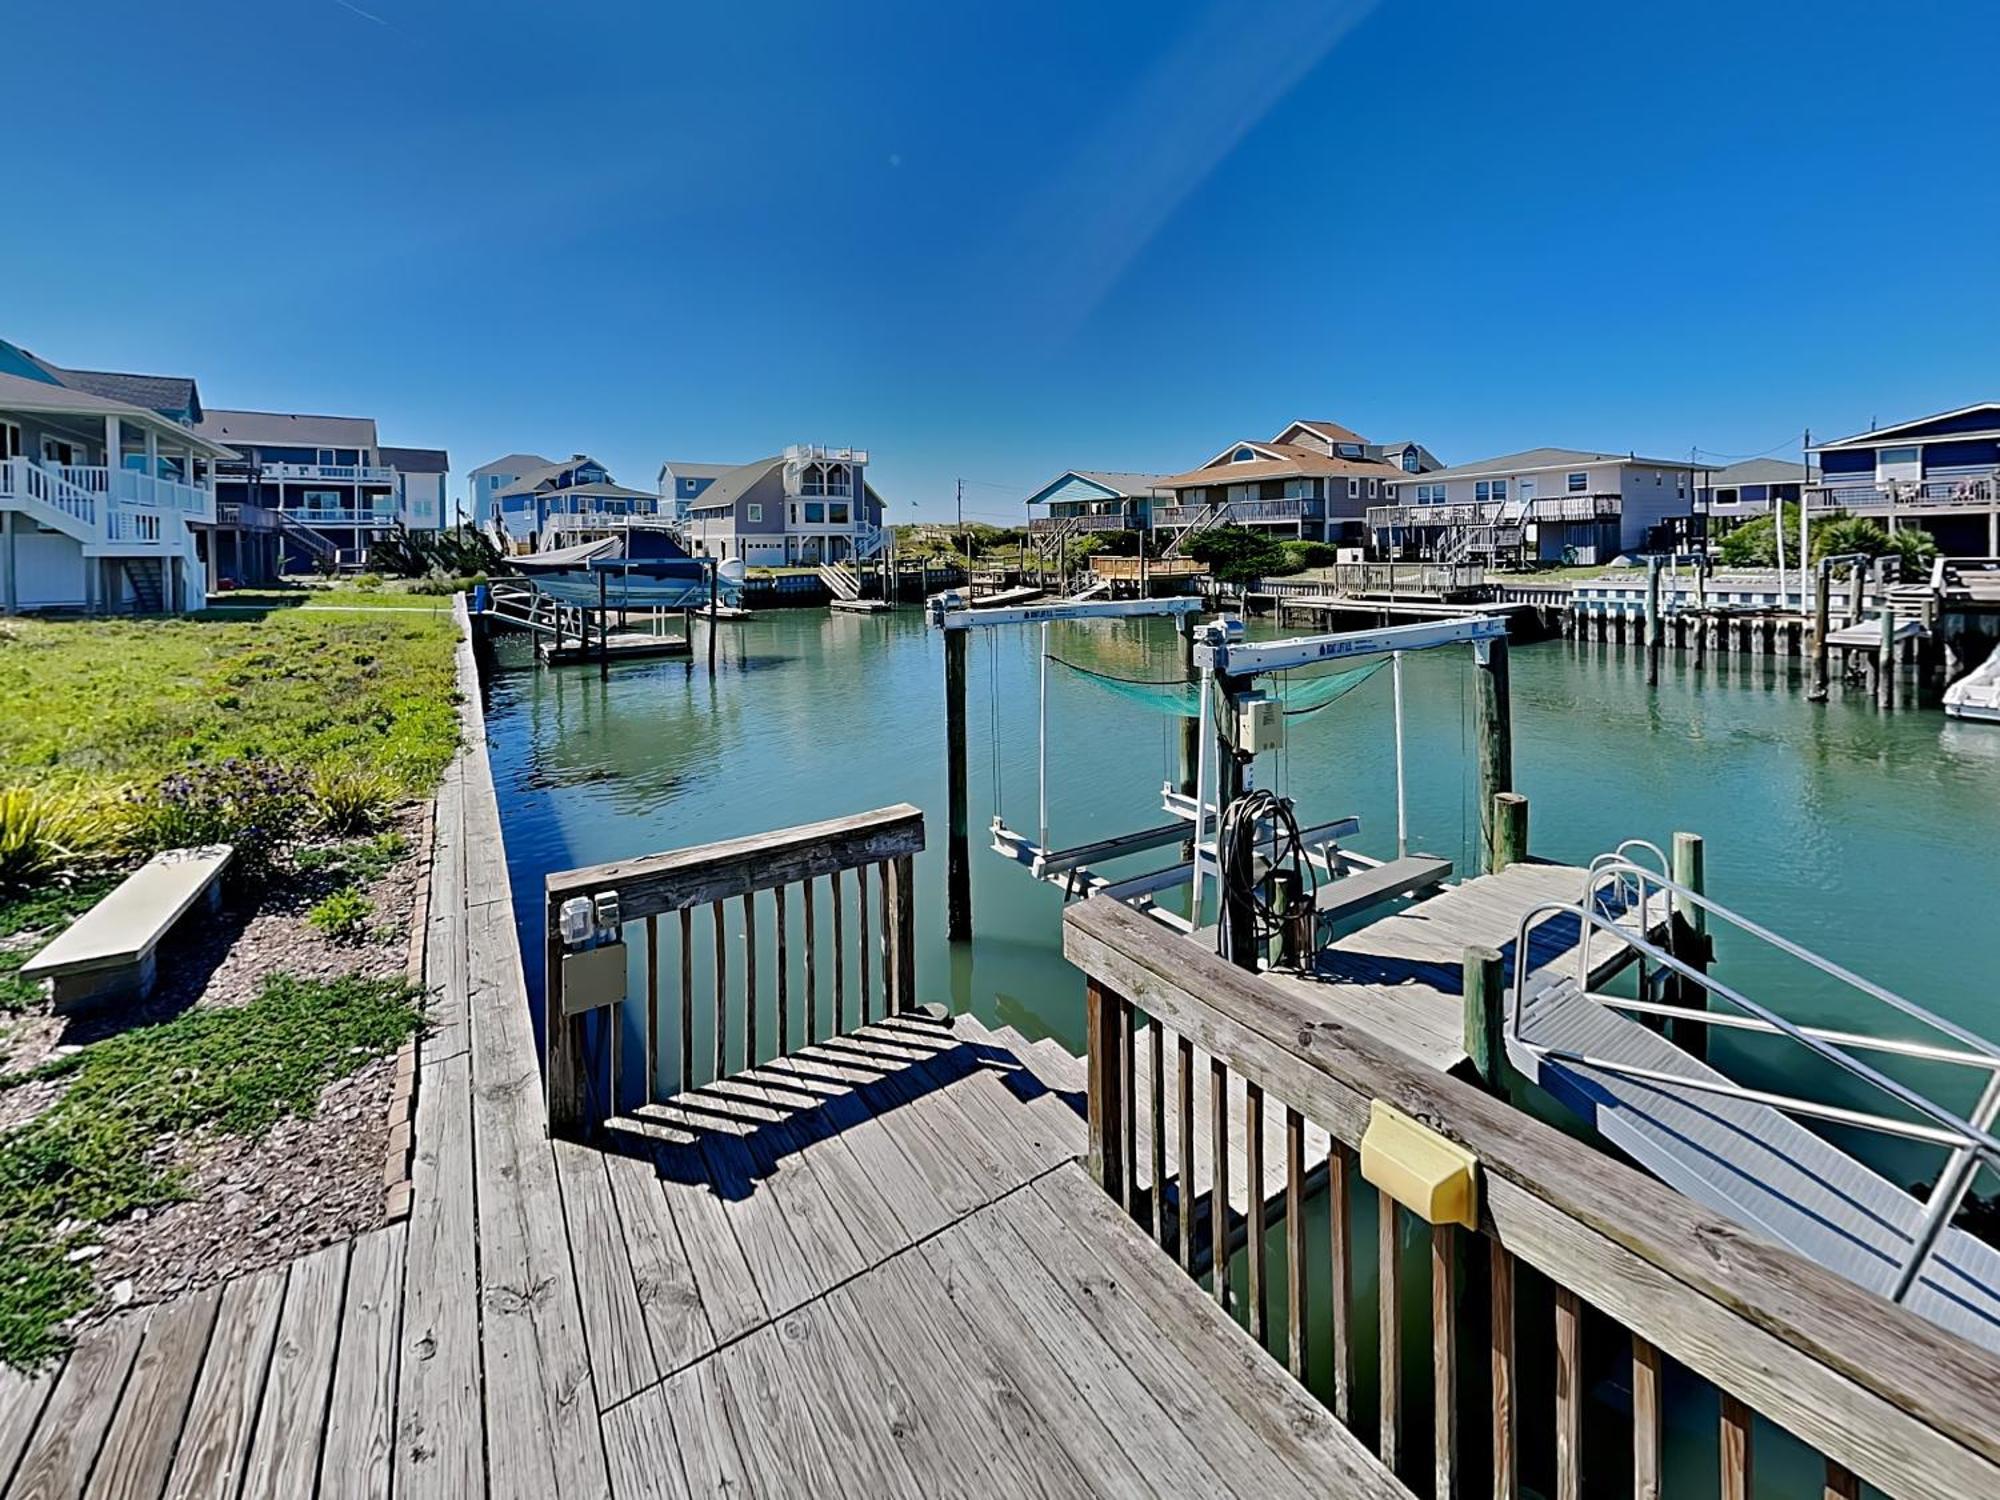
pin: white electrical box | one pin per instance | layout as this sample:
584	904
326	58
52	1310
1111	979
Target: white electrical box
1260	723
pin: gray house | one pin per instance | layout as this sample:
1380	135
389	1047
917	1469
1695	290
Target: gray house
806	506
1545	504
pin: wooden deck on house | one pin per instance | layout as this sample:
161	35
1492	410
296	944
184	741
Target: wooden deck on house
873	1266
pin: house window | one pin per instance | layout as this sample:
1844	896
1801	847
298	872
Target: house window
815	513
1353	489
10	440
1243	456
1725	497
1350	450
1890	456
1578	483
1482	491
1410	460
754	511
1298	489
1373	488
836	512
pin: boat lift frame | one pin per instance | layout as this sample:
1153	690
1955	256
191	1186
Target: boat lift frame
950	614
1219	655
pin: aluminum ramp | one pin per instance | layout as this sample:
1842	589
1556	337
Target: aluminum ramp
1750	1161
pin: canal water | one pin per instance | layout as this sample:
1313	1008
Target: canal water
1873	839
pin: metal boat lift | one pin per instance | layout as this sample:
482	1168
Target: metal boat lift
1745	1151
1221	656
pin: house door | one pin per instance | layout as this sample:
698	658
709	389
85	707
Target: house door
57	450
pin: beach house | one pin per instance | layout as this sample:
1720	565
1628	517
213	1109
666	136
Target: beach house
803	507
484	483
1314	481
679	483
564	502
1941	473
106	495
1543	504
1738	491
304	491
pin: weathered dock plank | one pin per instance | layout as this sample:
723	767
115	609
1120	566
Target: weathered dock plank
292	1413
359	1455
64	1448
139	1449
215	1443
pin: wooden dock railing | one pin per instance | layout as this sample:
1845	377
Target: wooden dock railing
1880	1394
835	900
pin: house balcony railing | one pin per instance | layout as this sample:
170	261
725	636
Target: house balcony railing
1973	491
1127	521
329	473
132	487
1238	512
1488	512
341	515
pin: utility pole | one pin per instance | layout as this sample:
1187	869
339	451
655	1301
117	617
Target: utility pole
965	537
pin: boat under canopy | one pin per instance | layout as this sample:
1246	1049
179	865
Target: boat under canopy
635	570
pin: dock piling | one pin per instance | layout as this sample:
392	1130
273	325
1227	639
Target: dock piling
958	899
1885	658
1484	989
1495	704
1688	941
1818	690
1652	622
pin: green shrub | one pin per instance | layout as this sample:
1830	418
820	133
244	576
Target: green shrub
1301	555
366	582
1236	554
43	831
257	806
348	799
343	916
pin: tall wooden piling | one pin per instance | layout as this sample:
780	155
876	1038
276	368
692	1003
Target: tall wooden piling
1190	757
1484	990
1688	940
1818	690
1885	657
1510	830
1652	622
1494	698
958	886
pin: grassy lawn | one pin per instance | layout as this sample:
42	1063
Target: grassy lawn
1554	575
90	1156
121	704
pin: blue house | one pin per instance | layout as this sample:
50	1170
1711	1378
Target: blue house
1095	500
1941	473
559	504
679	483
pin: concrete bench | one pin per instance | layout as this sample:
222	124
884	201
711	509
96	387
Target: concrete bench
1385	882
107	953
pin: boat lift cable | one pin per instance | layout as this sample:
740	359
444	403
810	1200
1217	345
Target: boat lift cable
1248	887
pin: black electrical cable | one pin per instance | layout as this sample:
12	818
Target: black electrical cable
1242	886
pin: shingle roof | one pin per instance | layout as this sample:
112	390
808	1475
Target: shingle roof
279	429
19	393
1549	458
531	479
730	486
1124	484
695	471
417	460
166	394
1763	471
1331	430
513	463
1293	462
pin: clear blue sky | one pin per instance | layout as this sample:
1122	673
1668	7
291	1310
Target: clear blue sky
1003	240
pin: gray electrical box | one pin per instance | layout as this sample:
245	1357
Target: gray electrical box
593	978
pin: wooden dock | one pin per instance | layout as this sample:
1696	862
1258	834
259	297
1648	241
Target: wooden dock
618	645
872	1266
1401	979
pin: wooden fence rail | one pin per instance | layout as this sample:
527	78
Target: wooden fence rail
858	869
1879	1393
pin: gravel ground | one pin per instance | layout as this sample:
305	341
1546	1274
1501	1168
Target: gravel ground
307	1183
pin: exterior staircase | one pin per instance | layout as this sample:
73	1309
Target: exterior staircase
315	545
840	580
46	497
1210	515
147	579
869	540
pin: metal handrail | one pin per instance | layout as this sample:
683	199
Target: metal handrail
1785	945
1970	1140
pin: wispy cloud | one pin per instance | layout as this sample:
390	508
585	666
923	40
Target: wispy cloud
1161	140
366	15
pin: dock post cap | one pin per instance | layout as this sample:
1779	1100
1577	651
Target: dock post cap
1432	1176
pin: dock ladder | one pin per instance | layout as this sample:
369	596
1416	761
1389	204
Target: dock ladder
1746	1151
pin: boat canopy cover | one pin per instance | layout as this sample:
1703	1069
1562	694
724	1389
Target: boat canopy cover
1300	695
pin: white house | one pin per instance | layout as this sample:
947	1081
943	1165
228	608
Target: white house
805	506
105	504
1546	504
420	486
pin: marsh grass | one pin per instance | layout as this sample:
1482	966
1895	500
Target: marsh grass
93	1154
